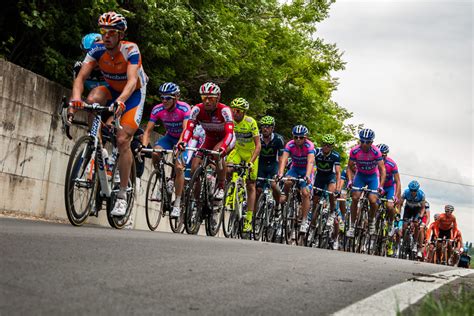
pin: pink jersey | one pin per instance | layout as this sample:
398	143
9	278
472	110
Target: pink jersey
172	120
391	169
366	162
299	155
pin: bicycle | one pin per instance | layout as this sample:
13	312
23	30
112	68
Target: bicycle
441	253
159	193
264	214
408	248
321	227
292	211
235	202
200	204
86	173
378	241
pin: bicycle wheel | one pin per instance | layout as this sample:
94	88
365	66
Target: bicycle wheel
195	200
290	220
154	200
230	216
80	181
177	223
214	217
120	221
258	220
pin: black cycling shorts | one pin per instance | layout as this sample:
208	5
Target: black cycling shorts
411	212
444	234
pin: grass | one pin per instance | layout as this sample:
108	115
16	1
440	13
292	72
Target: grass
459	301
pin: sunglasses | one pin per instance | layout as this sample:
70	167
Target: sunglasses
298	137
208	97
365	141
109	32
266	126
327	145
167	97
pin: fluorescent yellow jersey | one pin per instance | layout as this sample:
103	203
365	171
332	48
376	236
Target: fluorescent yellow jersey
245	131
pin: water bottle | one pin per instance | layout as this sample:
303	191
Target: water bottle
244	208
111	159
170	186
211	182
310	216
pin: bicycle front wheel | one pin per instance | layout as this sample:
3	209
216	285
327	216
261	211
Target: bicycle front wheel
81	181
230	218
154	200
195	200
258	220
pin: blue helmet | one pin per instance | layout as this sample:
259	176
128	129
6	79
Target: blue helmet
169	88
300	130
413	185
383	148
89	39
367	134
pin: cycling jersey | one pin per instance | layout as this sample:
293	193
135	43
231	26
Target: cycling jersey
299	155
114	68
245	131
95	79
172	120
414	201
325	164
366	162
390	169
270	152
218	125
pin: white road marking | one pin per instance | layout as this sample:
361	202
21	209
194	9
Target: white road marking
400	296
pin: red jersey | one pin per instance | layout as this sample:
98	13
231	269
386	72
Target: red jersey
446	222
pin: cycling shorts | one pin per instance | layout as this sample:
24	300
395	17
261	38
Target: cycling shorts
236	157
389	192
296	172
410	212
323	180
167	142
445	234
370	180
266	171
132	115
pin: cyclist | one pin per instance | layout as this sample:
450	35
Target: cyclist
247	148
95	78
120	63
174	114
272	145
301	151
392	186
366	158
430	239
218	123
465	259
458	247
414	210
446	227
328	174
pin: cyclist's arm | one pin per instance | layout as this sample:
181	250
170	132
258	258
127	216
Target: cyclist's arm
338	178
349	172
310	165
132	79
398	183
78	85
185	123
258	147
427	217
282	163
382	171
147	133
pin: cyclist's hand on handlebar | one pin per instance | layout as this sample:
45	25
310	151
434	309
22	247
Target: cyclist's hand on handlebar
307	179
278	177
76	104
181	146
337	194
349	184
250	165
381	191
119	107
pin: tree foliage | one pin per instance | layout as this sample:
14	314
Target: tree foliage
264	51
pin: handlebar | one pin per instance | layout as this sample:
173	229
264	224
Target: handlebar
325	191
266	179
365	189
292	179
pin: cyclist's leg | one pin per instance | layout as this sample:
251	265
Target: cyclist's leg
305	190
232	158
292	172
221	168
359	183
331	188
372	182
390	191
165	142
318	183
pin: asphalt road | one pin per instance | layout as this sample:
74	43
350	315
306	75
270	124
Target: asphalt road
48	268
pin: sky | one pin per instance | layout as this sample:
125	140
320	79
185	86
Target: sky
409	77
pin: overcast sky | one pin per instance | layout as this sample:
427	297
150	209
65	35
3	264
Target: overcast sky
409	77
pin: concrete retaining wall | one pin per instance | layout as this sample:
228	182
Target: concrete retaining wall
34	151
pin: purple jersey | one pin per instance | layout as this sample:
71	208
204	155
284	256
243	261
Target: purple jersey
366	162
299	155
390	169
172	120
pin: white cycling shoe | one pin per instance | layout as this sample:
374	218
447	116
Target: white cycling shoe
175	212
219	195
304	227
372	228
350	232
120	207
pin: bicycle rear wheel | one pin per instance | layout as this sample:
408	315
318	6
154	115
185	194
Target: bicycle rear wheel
195	200
154	202
258	220
120	221
290	220
214	217
230	217
80	181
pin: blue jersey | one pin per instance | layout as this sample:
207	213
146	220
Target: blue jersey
325	164
415	201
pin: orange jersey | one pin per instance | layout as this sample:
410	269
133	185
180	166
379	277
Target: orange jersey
430	230
114	68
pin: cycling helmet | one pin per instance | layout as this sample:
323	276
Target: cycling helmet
329	139
413	185
90	39
367	134
240	103
267	120
210	88
383	148
113	20
300	130
449	208
169	88
436	216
